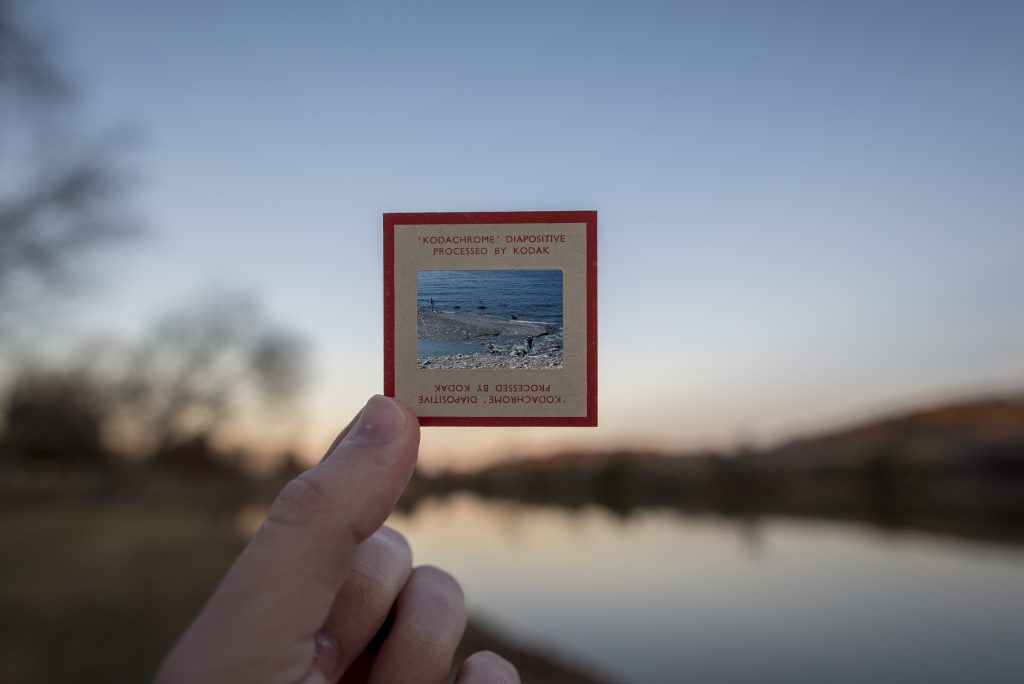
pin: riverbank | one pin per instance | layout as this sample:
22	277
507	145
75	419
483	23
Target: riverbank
452	326
455	340
83	572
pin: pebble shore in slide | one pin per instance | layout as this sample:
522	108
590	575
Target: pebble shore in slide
501	342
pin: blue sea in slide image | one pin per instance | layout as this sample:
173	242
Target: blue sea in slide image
528	295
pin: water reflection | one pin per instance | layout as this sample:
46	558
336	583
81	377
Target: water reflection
662	597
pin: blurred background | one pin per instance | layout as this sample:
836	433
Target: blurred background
810	464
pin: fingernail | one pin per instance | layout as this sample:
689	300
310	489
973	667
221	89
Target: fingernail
325	655
380	422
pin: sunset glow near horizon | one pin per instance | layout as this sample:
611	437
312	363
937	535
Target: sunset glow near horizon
808	214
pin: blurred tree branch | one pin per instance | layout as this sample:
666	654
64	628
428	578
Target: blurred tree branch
203	362
61	198
24	67
45	229
58	203
168	397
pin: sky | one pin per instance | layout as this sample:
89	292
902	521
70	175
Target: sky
810	213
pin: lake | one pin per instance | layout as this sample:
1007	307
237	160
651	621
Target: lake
532	295
524	295
662	597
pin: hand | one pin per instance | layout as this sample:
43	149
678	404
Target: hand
306	600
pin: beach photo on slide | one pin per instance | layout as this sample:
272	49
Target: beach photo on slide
495	319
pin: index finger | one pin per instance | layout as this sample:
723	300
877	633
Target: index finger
286	578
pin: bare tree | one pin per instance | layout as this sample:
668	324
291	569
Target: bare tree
202	364
60	195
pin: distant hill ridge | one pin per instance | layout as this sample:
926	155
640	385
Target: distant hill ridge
999	418
956	468
954	435
947	436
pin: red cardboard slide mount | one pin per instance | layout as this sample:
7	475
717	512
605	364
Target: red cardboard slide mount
490	318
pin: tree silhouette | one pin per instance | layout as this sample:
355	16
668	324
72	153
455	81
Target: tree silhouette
61	195
54	417
202	363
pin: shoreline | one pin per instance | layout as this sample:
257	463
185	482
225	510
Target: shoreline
551	360
454	326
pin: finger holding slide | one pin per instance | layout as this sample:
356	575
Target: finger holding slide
279	592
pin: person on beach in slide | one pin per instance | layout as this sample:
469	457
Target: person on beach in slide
432	304
324	593
529	345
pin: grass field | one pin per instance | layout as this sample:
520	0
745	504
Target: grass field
98	591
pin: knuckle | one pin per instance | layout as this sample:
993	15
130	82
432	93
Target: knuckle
385	558
487	667
378	573
439	592
394	538
398	559
303	498
431	650
366	591
436	581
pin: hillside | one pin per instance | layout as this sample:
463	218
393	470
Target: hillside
985	436
956	469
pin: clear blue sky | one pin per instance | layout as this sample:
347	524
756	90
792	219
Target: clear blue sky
809	211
